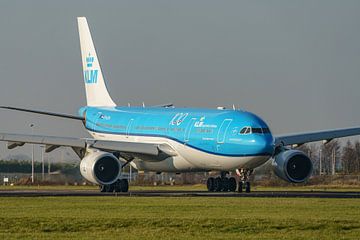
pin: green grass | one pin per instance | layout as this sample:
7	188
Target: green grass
178	218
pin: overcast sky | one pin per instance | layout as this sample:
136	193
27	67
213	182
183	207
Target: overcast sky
294	63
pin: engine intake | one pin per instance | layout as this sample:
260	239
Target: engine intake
100	167
292	166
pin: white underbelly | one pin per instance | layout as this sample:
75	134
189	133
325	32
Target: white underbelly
187	159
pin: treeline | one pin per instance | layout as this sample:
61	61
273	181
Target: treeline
351	157
15	166
331	158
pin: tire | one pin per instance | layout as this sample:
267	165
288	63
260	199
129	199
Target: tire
117	186
240	188
225	184
124	185
109	188
232	184
247	187
210	184
218	184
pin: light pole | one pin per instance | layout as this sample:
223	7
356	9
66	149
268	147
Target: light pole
62	154
333	161
32	154
130	173
320	164
49	166
42	163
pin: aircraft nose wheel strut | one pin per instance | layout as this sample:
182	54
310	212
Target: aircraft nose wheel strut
244	183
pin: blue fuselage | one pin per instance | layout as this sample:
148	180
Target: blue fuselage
218	132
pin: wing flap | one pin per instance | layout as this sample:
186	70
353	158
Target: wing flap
38	139
133	149
127	147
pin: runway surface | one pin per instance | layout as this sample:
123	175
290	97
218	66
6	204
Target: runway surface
65	193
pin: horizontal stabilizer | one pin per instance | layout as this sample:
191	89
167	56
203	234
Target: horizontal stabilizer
45	113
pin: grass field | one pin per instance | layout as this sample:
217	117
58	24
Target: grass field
178	218
196	187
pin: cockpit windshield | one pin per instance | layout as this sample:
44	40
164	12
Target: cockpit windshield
256	130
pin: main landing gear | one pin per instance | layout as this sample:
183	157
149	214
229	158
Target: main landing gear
221	184
121	185
224	184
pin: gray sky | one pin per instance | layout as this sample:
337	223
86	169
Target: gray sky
294	63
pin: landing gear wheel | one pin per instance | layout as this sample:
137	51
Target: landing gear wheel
247	187
240	189
225	184
210	184
124	185
232	184
244	174
218	184
109	188
117	186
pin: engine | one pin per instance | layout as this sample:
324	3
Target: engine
292	166
100	167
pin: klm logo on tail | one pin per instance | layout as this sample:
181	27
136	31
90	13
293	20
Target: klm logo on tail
90	75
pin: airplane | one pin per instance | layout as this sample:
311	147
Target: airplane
169	139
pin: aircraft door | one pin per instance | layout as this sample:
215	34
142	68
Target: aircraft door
96	119
188	129
129	126
223	131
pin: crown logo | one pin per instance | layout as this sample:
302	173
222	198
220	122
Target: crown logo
89	61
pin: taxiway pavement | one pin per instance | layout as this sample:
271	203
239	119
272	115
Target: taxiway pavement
89	193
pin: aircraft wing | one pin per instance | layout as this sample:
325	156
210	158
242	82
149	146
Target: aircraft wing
327	135
125	149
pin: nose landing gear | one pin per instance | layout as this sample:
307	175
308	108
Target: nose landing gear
244	175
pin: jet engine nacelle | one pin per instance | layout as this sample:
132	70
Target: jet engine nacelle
100	168
292	166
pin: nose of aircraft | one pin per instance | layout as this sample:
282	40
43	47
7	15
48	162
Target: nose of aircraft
265	144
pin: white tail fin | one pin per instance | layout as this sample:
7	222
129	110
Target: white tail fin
96	91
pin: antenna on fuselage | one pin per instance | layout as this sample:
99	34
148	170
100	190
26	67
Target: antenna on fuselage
234	107
143	104
129	105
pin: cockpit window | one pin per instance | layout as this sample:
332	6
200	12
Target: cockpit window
266	130
245	130
249	130
257	130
